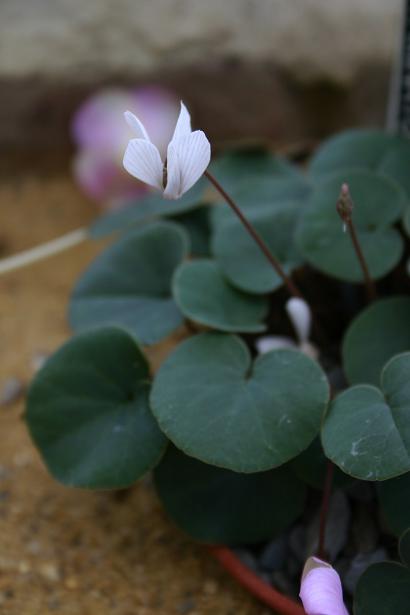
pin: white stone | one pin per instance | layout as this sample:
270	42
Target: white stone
92	38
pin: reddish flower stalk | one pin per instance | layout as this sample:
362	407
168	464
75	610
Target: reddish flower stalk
344	208
327	490
292	288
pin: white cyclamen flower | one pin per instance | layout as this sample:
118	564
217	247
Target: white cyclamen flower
187	156
301	319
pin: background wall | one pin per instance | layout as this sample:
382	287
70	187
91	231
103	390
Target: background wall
284	69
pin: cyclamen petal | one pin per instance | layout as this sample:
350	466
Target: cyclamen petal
300	315
273	342
136	125
142	160
321	590
188	155
187	159
183	125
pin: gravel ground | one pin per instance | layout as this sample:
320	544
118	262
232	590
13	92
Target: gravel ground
67	551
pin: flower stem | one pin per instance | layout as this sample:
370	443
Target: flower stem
292	288
327	490
344	208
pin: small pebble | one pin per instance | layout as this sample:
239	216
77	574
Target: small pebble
247	559
22	459
210	587
364	529
297	542
187	606
50	571
282	583
274	554
38	360
71	583
24	567
337	527
12	390
359	564
34	547
361	491
293	567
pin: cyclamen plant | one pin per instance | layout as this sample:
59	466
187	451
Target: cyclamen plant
242	425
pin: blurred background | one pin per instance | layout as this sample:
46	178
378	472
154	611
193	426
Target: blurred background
287	72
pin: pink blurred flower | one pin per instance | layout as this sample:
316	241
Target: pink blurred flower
101	135
321	590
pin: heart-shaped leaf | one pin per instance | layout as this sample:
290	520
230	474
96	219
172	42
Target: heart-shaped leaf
262	197
366	431
378	204
219	506
203	295
406	221
383	589
129	284
198	226
236	168
363	149
395	163
218	407
404	548
377	334
241	259
88	412
147	209
258	182
394	496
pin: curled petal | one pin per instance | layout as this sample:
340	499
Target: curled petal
300	315
183	125
273	342
136	126
187	159
321	589
142	160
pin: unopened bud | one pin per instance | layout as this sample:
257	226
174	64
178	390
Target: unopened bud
344	205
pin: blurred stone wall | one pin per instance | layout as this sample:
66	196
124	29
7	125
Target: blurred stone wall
288	70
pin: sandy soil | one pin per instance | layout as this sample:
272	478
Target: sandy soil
67	551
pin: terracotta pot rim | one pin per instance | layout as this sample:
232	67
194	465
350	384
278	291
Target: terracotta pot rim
254	584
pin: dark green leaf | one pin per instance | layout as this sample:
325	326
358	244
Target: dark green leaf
148	208
88	412
378	203
404	548
383	589
219	506
395	163
203	295
394	498
236	168
377	334
366	431
197	224
129	284
218	407
311	466
241	259
406	221
353	148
